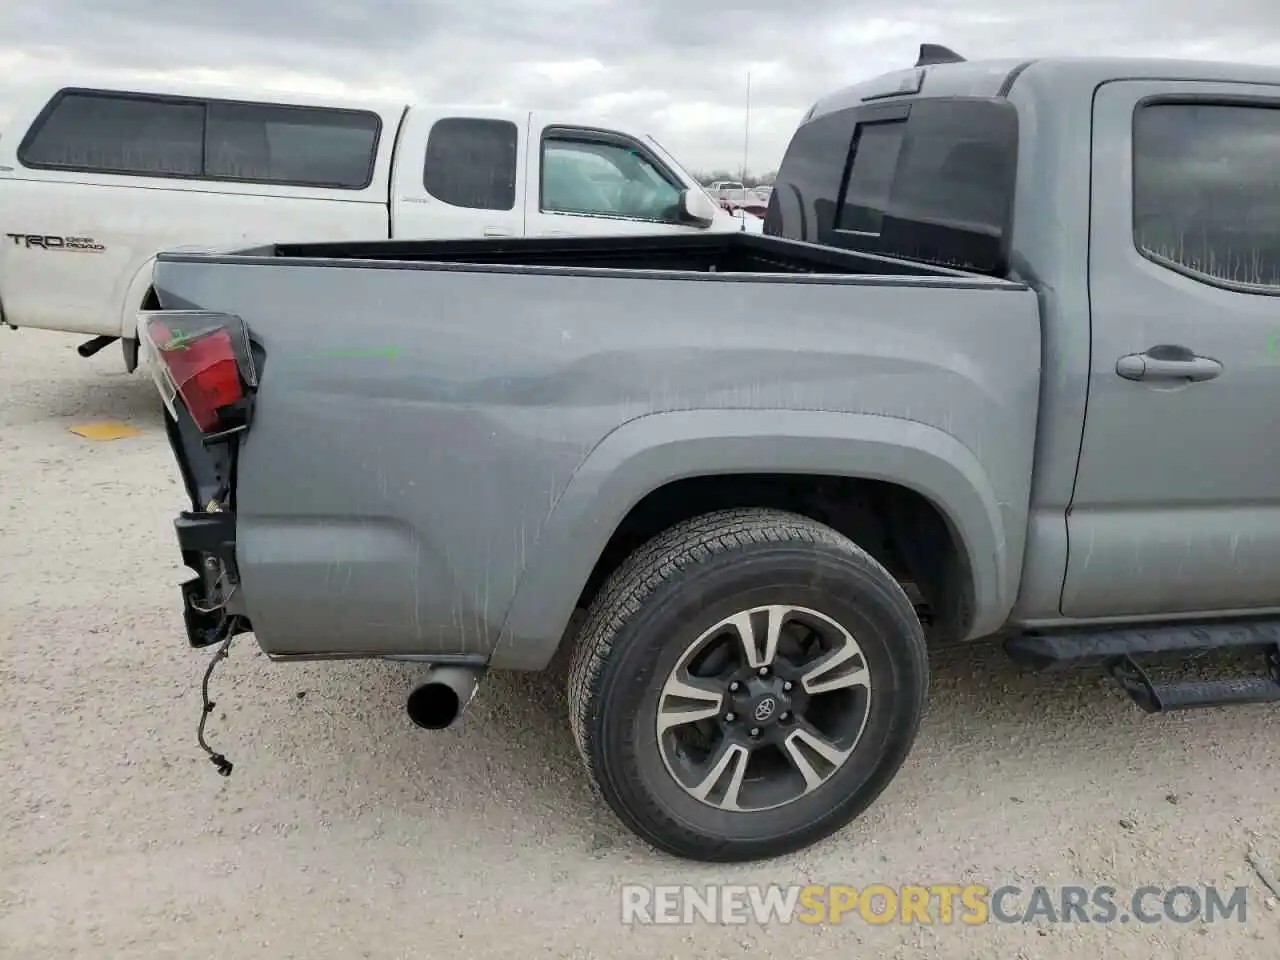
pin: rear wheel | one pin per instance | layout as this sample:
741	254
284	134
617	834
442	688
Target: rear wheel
746	684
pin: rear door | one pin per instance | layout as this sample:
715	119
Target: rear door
591	181
458	175
1177	499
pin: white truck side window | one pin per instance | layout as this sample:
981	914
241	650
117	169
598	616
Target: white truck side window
114	133
153	136
593	178
471	162
264	143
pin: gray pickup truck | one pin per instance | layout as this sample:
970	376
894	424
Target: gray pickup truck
1003	366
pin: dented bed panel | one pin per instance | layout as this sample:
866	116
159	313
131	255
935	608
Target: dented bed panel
416	430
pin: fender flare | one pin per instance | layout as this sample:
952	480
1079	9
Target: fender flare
143	280
651	451
134	295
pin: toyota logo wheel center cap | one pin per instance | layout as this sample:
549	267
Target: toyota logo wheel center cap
764	710
762	703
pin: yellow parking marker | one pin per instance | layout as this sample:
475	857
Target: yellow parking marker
106	430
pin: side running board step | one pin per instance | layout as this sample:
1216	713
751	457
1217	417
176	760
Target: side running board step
1072	646
1163	697
1118	648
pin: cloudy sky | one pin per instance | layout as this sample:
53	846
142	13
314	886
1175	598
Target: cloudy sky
673	68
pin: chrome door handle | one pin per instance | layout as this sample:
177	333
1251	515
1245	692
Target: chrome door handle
1168	362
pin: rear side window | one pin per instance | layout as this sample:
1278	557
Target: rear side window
1206	196
297	145
803	204
875	158
927	180
936	185
137	135
127	135
471	163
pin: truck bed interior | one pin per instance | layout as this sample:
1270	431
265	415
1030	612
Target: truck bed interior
719	253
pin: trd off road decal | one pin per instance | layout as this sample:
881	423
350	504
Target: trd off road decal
35	241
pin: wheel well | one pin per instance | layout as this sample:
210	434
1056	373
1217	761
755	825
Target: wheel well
903	530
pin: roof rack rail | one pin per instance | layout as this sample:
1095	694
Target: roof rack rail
934	53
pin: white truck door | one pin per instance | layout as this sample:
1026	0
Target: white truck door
583	180
457	175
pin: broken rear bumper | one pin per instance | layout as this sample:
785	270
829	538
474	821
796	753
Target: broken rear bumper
208	545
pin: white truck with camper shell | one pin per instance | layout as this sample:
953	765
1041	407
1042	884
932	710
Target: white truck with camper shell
95	181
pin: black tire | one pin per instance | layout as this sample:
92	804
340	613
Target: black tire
680	584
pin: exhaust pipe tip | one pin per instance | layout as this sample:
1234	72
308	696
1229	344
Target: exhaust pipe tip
433	706
436	704
91	347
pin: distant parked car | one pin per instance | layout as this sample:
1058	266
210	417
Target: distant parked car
721	189
756	201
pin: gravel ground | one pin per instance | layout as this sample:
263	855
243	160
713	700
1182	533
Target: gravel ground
346	832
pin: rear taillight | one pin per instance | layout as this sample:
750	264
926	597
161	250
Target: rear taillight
203	358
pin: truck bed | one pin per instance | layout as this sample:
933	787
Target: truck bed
734	253
445	435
